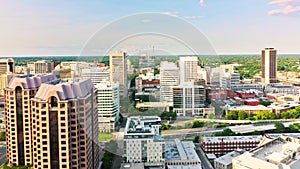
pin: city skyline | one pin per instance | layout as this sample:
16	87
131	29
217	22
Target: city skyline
45	28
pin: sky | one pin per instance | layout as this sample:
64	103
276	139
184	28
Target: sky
52	27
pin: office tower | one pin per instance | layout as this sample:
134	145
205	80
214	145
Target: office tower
118	70
169	77
188	68
96	74
188	99
51	124
146	61
269	65
108	106
41	66
228	80
7	69
143	145
7	66
18	118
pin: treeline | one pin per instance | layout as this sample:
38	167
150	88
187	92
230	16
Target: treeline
263	115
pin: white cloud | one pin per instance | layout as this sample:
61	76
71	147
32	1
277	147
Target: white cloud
285	2
194	17
171	13
291	7
201	2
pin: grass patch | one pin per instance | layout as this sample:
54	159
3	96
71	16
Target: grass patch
105	136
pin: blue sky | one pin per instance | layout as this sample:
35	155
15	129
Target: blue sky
51	27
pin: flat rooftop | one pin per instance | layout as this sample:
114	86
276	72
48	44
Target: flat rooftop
180	150
278	153
227	158
232	138
250	108
141	125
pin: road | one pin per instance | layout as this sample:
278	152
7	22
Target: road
2	155
246	128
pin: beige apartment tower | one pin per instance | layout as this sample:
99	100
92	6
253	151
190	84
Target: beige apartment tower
118	70
269	65
51	124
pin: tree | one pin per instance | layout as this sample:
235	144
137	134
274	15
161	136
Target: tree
242	115
279	127
168	115
196	139
233	115
165	126
197	124
2	136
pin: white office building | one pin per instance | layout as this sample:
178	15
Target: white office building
169	77
143	145
96	74
188	99
108	106
188	68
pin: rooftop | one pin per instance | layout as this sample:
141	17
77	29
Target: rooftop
65	91
251	108
232	138
278	153
141	124
180	150
227	158
30	82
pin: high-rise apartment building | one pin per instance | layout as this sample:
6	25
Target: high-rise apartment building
18	118
7	66
41	67
143	145
108	106
188	99
269	65
169	77
7	69
51	124
188	68
118	70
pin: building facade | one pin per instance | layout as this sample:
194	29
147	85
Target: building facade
169	77
143	144
96	74
188	99
269	65
118	70
223	145
41	67
51	124
188	68
108	106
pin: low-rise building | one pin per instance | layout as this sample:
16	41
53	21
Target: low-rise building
279	153
223	145
248	109
181	154
225	161
143	144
